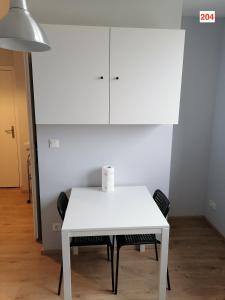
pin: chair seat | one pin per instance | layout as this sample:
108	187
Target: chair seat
136	239
62	203
143	239
90	241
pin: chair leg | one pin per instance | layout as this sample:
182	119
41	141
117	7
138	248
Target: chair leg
113	241
107	252
117	268
112	266
60	280
156	252
168	280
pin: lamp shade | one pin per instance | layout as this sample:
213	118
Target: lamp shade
20	32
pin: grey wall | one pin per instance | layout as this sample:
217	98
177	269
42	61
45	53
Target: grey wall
191	139
141	154
216	183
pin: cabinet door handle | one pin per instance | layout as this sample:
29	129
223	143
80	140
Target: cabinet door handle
116	78
101	77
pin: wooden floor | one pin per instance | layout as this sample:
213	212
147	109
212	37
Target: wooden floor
196	262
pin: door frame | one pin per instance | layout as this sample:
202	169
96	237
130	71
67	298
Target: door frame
33	147
33	141
12	69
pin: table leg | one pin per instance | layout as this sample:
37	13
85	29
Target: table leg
163	263
66	266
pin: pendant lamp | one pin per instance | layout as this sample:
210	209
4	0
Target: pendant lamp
20	32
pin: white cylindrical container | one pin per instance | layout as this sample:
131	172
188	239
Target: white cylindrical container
108	179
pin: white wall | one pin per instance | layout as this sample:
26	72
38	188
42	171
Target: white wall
191	139
216	183
141	154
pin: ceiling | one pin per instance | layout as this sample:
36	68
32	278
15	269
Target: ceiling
192	7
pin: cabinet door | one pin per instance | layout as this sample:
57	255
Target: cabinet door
145	71
71	81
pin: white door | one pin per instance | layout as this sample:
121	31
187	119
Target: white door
9	166
71	81
145	75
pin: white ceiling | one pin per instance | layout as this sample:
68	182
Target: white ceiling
134	13
192	7
50	10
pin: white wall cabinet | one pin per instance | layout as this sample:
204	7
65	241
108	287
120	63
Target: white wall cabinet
146	71
97	75
71	81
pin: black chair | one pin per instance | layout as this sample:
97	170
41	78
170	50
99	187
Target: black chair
144	239
62	203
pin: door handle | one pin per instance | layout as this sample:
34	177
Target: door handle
11	131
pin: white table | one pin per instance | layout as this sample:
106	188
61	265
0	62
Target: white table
127	210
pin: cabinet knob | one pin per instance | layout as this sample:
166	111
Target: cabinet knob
117	78
101	77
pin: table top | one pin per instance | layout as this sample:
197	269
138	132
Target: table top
129	209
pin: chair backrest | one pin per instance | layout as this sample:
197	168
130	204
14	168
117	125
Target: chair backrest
62	203
162	201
